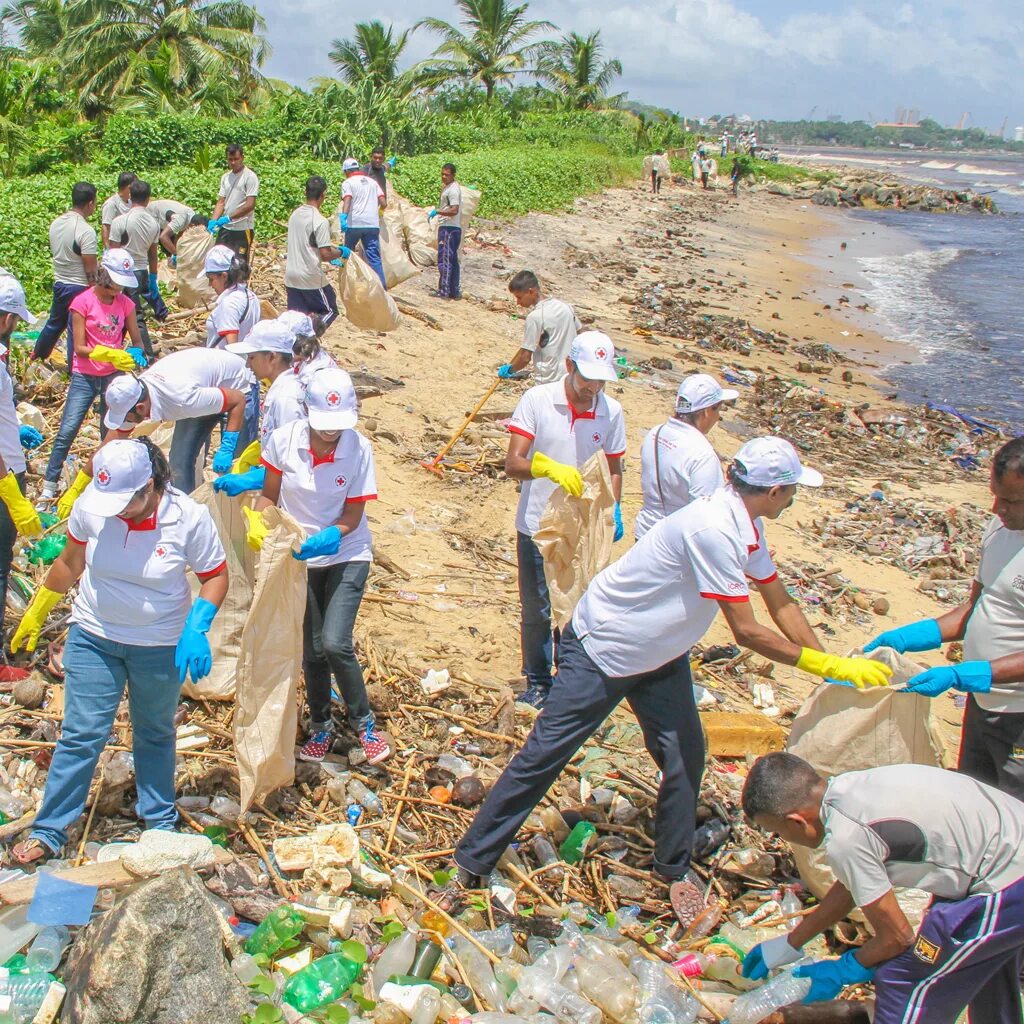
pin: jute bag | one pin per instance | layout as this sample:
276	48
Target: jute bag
367	304
193	288
397	265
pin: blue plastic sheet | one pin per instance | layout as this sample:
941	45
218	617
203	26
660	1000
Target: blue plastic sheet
58	901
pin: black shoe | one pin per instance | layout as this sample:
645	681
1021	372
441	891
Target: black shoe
455	891
534	696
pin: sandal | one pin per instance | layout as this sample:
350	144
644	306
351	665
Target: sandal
29	853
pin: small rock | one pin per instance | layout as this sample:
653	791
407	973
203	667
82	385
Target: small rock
158	851
31	692
881	606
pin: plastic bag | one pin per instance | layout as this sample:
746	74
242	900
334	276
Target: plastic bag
193	288
367	304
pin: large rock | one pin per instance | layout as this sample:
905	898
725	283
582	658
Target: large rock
778	188
155	958
826	197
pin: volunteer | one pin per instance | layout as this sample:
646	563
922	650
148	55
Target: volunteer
309	248
73	247
234	217
131	539
660	170
362	199
310	355
377	168
549	330
237	308
991	624
630	636
915	827
120	202
449	235
555	428
100	317
320	470
677	462
174	219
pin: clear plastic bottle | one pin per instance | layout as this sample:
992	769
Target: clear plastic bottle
659	1000
396	958
791	903
245	968
604	980
565	1005
14	805
547	857
456	765
752	1007
47	948
498	940
26	992
226	809
362	795
480	975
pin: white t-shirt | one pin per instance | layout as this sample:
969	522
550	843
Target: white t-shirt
237	310
180	214
282	404
323	360
192	383
550	329
308	232
71	238
661	597
919	827
234	190
996	626
136	231
315	493
677	464
545	416
135	589
10	436
365	193
451	195
113	208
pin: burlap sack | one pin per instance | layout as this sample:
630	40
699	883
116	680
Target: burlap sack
367	304
420	235
575	538
269	663
397	265
194	289
470	201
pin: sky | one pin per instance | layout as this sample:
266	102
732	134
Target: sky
765	58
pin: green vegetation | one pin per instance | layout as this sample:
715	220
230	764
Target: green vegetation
790	174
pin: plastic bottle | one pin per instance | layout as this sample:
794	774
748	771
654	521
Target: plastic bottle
426	959
553	822
280	925
322	982
605	981
246	969
498	940
337	788
226	809
396	958
14	805
547	857
47	948
693	965
754	1006
362	795
565	1005
427	1007
659	1001
746	939
480	975
26	992
791	903
537	946
575	845
456	765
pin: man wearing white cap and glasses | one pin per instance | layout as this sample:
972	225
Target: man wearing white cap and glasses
677	462
362	199
629	639
556	427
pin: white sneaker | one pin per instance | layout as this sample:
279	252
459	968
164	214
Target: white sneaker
47	496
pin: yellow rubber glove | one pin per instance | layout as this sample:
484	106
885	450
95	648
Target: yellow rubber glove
861	672
35	616
117	357
23	515
70	496
567	477
255	528
249	459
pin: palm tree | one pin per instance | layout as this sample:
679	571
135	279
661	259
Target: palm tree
494	47
41	24
574	67
372	54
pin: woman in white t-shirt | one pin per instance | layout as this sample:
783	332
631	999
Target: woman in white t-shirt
310	355
237	310
320	471
132	538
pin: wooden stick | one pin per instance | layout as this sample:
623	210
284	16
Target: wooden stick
436	461
282	887
470	725
400	804
88	823
531	885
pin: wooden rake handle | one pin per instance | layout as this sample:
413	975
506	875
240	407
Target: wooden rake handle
465	423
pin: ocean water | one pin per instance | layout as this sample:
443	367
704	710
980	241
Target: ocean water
955	293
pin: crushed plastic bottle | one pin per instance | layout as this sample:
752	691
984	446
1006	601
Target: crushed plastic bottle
25	991
659	1001
321	982
500	941
604	980
278	927
754	1006
535	984
362	795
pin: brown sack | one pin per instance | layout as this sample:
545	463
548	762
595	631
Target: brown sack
470	201
194	289
367	304
397	265
420	235
269	663
575	538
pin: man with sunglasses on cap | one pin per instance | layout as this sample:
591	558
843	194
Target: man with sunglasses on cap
677	462
556	427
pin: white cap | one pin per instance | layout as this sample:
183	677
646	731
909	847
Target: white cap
594	355
265	336
701	391
298	323
12	298
119	470
771	462
218	260
350	164
122	395
331	400
120	265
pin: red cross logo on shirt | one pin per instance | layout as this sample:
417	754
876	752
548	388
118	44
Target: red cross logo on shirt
333	398
102	478
600	353
340	481
596	438
160	551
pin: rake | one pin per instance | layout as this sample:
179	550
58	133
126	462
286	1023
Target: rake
434	464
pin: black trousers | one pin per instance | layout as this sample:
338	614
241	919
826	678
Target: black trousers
155	302
581	698
992	748
240	241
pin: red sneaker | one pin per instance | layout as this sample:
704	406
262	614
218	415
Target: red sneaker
316	747
375	746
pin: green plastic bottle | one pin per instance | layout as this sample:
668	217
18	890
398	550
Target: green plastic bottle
280	925
575	845
322	982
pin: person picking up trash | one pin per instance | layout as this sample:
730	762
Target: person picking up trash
550	328
629	639
903	826
237	309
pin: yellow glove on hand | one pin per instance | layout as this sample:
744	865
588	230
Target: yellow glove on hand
249	459
255	528
32	621
70	496
861	672
118	358
23	515
567	477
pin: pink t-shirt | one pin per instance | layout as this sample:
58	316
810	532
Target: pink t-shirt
104	325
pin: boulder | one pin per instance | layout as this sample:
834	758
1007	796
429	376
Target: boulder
155	958
778	188
826	197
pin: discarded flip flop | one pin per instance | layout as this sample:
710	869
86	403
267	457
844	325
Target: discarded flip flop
688	899
55	659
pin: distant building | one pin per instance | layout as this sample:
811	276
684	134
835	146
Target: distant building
897	124
1018	133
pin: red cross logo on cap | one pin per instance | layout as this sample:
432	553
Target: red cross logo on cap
333	398
126	264
340	481
600	353
103	478
596	437
161	551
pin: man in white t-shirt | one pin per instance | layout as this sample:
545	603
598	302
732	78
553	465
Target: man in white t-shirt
120	202
677	462
550	329
449	235
234	214
908	826
991	624
362	199
174	219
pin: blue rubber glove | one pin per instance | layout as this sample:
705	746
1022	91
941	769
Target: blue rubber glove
234	484
432	213
193	651
225	454
138	355
343	221
29	437
969	676
154	285
174	261
213	226
391	163
918	636
830	977
326	542
768	955
340	260
619	531
505	371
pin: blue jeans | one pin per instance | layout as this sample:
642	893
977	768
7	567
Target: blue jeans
83	391
96	673
449	273
535	610
59	319
370	239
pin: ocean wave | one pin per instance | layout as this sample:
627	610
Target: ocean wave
938	165
972	169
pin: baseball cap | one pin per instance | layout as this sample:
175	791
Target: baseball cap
701	391
120	265
331	401
265	336
594	355
773	461
119	470
123	394
350	164
12	298
218	260
298	323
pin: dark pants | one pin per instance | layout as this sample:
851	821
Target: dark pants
58	321
333	595
992	748
655	182
8	535
535	636
449	274
83	391
239	241
968	954
581	698
321	302
704	178
369	238
155	303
